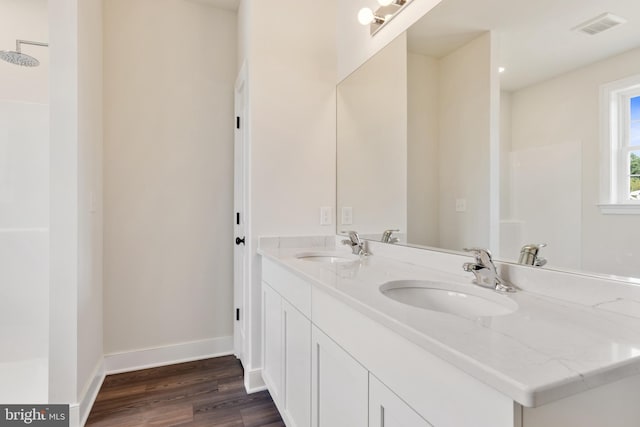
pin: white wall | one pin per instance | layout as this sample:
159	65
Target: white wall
561	116
63	342
76	141
90	215
464	140
292	124
355	44
372	143
422	145
169	71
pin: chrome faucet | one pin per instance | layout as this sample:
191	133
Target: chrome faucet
386	237
529	255
358	247
485	271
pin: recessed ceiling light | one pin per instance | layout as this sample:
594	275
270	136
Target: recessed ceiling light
501	70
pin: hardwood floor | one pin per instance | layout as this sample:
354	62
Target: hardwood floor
195	394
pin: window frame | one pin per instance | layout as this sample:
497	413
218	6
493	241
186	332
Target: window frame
615	122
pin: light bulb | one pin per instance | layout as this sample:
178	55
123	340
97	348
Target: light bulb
385	2
365	16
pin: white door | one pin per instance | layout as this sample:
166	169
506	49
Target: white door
240	276
339	385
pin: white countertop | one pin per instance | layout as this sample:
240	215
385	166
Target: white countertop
548	349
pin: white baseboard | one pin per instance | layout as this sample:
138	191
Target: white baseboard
74	415
90	392
79	411
168	355
253	381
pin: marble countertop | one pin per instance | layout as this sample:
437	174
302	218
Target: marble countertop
548	349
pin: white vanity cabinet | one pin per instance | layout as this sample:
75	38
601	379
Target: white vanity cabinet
331	360
339	386
272	352
339	368
297	365
386	409
286	348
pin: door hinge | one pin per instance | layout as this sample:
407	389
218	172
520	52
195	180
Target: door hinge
237	122
237	314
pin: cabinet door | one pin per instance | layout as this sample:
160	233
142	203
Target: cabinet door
272	341
339	385
386	409
297	366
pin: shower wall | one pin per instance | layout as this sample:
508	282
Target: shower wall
24	208
24	251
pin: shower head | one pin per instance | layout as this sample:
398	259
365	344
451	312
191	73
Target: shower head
18	58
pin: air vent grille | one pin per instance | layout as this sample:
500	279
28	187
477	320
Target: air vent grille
600	23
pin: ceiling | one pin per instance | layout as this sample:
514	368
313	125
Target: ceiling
536	41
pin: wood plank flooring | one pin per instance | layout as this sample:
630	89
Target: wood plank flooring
195	394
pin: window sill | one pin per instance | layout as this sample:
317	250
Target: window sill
620	209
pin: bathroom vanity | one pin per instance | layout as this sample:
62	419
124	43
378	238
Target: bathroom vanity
564	350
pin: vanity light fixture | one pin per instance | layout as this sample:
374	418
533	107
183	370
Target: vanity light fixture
387	10
366	16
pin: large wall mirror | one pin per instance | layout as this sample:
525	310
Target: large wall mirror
485	125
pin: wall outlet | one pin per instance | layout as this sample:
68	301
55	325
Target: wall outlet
461	205
325	215
347	216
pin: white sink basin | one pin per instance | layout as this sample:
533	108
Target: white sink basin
462	300
329	257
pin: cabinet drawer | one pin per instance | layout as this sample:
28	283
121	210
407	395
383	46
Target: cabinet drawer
291	287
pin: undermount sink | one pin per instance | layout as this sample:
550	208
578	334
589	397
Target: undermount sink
328	257
462	300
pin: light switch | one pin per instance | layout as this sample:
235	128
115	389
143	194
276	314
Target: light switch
347	216
461	205
325	215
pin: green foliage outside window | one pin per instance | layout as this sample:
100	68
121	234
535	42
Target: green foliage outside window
635	170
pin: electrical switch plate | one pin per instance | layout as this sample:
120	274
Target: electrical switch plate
325	215
461	205
347	216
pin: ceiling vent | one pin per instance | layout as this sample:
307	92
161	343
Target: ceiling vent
599	24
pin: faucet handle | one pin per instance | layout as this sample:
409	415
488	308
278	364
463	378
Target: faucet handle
482	256
529	255
386	235
533	247
353	237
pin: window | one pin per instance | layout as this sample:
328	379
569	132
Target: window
620	122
